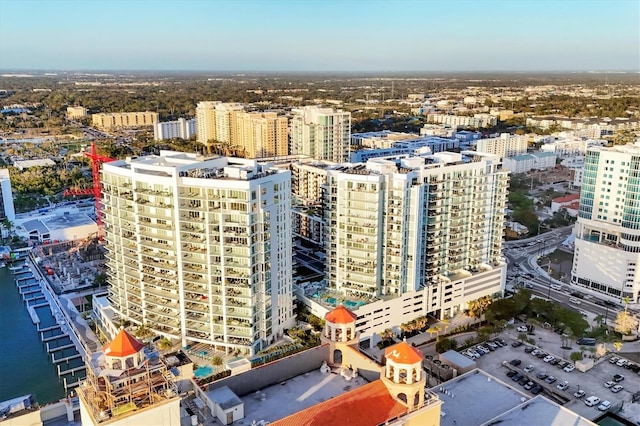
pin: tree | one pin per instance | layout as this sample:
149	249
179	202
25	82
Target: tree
576	356
476	308
625	323
164	344
143	332
444	344
217	360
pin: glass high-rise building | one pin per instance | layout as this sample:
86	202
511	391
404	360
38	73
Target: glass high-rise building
200	249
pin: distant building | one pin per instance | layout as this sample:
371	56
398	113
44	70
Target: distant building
370	145
25	164
506	145
7	209
321	133
182	129
122	120
478	120
527	162
76	112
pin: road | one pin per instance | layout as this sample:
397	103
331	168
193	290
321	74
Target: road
522	256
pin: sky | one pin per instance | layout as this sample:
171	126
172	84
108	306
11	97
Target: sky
315	35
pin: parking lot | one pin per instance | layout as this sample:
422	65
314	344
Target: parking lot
592	382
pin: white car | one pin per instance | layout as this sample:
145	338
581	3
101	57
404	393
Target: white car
604	406
621	362
528	368
609	384
563	385
616	388
591	401
522	329
569	368
579	394
549	358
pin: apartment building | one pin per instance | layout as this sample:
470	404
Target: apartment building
260	134
181	128
607	246
7	210
76	112
478	120
206	121
200	249
321	133
527	162
414	236
506	145
121	120
263	134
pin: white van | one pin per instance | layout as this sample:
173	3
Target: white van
574	301
556	287
591	401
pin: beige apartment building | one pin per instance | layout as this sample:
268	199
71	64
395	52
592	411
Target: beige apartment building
259	134
119	120
76	112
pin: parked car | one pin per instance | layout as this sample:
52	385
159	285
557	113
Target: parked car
515	362
613	359
562	364
516	377
542	355
616	388
591	401
621	362
604	406
529	385
542	375
564	385
536	389
586	341
618	378
550	379
517	343
511	373
529	349
535	352
569	368
549	358
529	368
554	361
522	329
609	384
523	381
579	394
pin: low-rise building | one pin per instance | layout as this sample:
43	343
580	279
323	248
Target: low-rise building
76	112
527	162
570	203
121	120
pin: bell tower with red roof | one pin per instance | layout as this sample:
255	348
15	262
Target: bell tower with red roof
339	332
403	374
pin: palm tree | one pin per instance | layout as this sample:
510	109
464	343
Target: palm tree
164	344
217	360
143	332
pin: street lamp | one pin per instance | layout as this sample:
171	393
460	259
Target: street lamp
549	278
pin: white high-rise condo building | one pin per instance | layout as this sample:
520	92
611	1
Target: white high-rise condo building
200	249
607	247
426	233
7	210
181	128
506	145
321	133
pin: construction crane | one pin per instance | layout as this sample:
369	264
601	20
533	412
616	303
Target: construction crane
96	189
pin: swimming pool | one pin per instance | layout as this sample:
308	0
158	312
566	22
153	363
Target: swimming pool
204	371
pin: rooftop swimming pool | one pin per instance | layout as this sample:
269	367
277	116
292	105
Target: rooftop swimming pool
204	371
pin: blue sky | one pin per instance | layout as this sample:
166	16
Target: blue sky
330	35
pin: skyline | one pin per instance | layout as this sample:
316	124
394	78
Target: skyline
296	36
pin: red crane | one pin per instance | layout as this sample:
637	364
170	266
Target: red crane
96	190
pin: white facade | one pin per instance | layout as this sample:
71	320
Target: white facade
506	145
321	133
183	129
200	249
607	245
478	120
527	162
7	210
414	225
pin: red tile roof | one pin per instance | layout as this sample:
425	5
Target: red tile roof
340	315
403	353
124	344
566	199
367	405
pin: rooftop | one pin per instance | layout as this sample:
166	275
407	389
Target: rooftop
539	411
296	394
475	398
68	221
